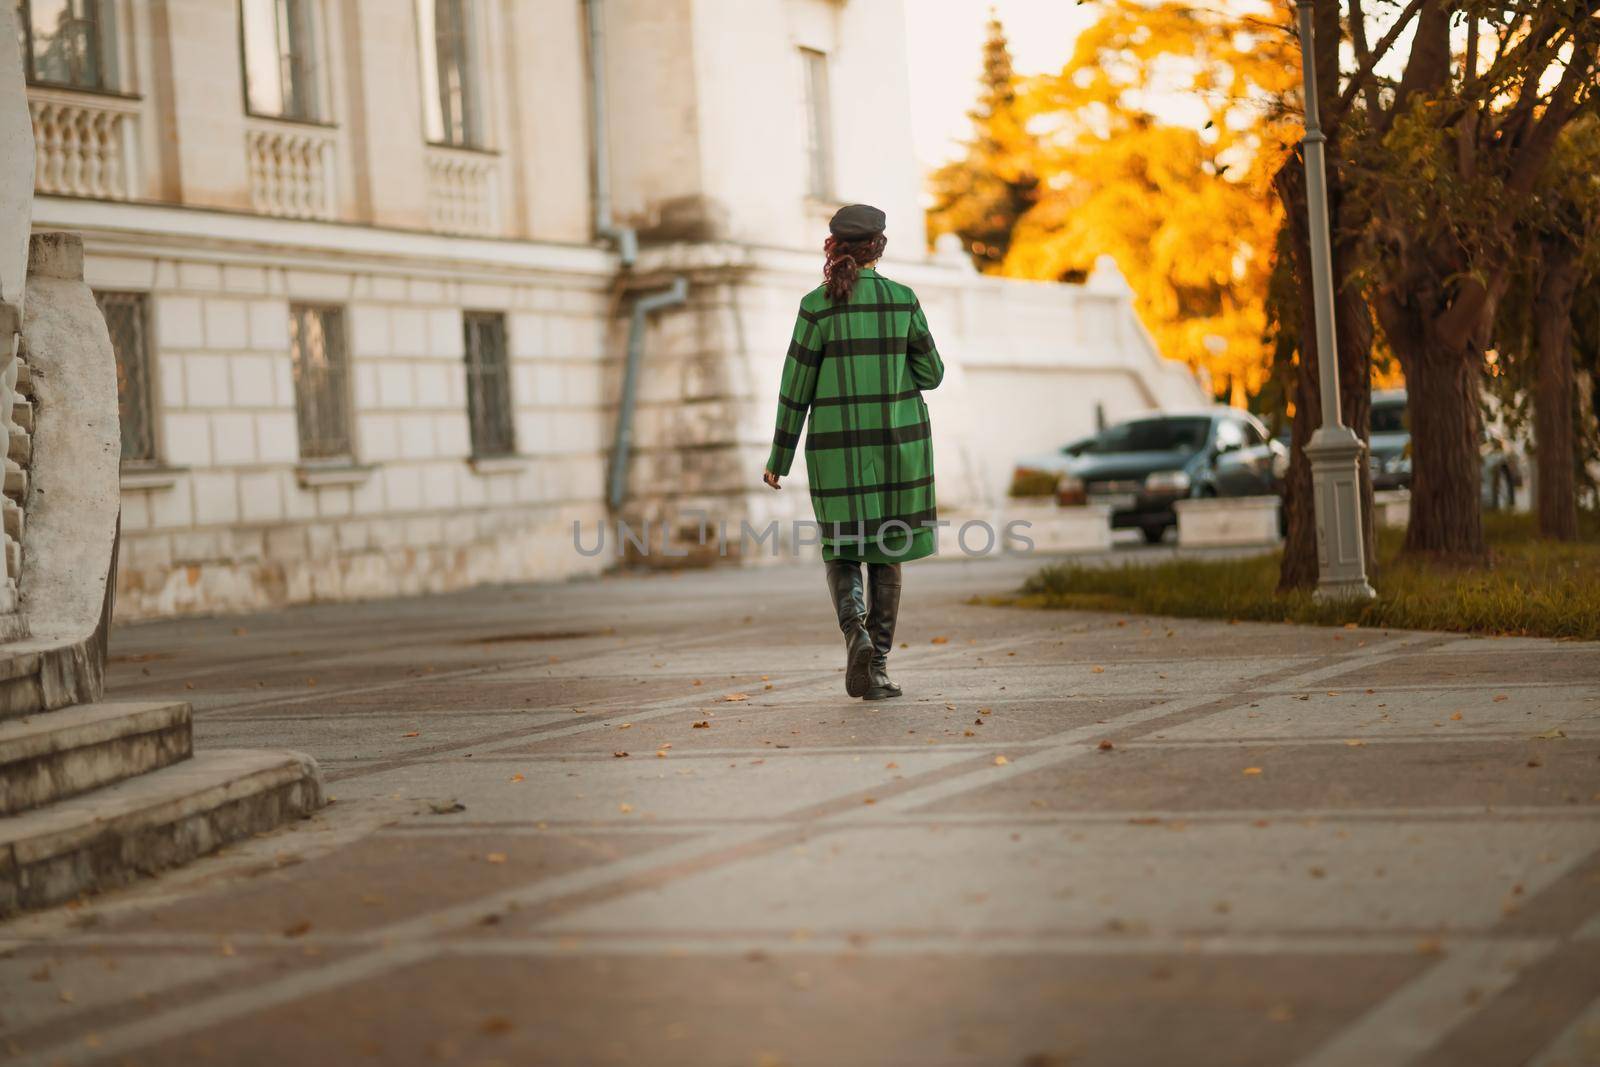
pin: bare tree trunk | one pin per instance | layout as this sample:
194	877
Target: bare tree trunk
1442	383
1552	418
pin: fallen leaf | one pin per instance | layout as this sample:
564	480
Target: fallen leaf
1252	770
626	726
891	766
869	800
496	1024
985	711
1552	734
625	808
1355	742
446	807
702	725
413	733
939	641
1429	946
734	697
1097	670
1501	698
1106	746
1456	717
496	857
298	929
619	754
517	778
1000	761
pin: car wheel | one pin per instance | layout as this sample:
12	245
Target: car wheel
1153	535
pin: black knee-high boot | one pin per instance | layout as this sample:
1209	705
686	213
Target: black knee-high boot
844	583
883	585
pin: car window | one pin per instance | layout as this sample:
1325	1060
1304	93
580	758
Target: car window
1154	435
1388	417
1252	434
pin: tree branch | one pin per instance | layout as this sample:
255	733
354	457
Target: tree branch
1363	75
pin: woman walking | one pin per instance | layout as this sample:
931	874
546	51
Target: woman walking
859	361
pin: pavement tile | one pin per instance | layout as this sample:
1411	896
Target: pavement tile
1180	777
1024	880
1368	712
384	879
897	723
1485	663
1037	1011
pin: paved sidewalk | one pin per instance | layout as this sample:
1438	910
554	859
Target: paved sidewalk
636	821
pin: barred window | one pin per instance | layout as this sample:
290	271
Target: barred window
127	320
71	43
278	38
447	37
819	124
489	385
321	381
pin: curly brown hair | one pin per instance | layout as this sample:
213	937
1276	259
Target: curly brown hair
845	260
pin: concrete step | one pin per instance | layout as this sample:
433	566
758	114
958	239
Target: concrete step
21	448
22	414
58	754
113	835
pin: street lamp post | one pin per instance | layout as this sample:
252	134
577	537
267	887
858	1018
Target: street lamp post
1335	451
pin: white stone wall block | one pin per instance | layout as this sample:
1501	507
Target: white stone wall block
178	322
368	497
416	436
135	513
322	540
318	286
251	379
352	535
424	531
172	508
169	381
402	488
446	336
429	291
432	383
533	433
286	543
233	438
581	384
481	297
526	335
199	277
369	330
440	484
117	272
186	439
451	435
472	490
378	437
549	387
387	287
277	437
260	497
409	332
334	501
396	385
283	382
524	383
269	325
561	336
366	384
216	497
243	279
299	503
206	381
227	324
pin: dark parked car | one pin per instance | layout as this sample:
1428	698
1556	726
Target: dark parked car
1390	453
1140	468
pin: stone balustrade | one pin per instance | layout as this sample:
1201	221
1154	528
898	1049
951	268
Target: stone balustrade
84	143
463	191
291	169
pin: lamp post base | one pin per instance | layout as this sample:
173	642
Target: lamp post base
1335	454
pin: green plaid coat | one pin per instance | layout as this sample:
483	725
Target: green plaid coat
859	368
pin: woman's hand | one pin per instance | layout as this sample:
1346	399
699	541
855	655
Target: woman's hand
771	479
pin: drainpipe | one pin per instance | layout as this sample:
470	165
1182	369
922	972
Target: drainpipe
626	240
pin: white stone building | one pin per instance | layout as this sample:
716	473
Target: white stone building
370	320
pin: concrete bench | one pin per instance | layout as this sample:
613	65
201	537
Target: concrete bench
1231	520
1079	528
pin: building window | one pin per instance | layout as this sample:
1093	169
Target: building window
127	319
489	385
447	37
70	43
278	38
321	381
819	125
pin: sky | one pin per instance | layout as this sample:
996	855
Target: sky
945	42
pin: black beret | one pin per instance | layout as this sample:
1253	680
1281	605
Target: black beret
856	221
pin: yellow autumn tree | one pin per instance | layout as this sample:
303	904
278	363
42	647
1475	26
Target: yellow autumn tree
1157	144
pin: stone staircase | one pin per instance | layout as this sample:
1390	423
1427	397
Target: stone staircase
92	793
